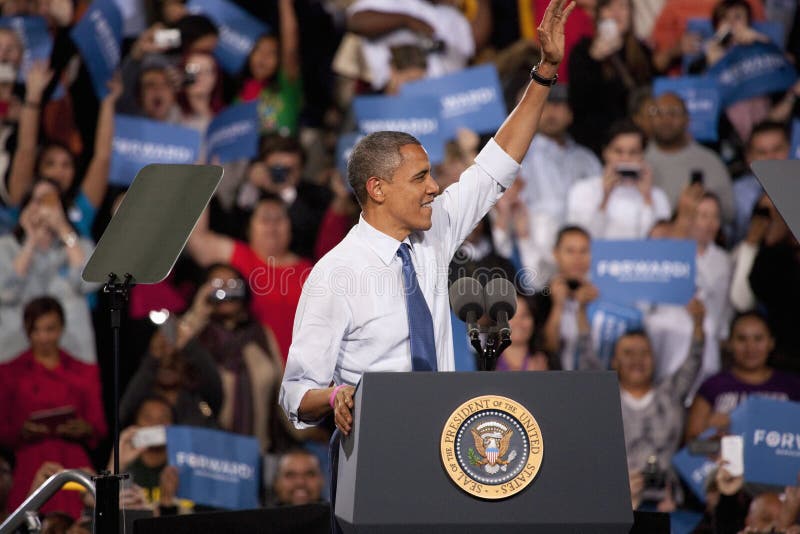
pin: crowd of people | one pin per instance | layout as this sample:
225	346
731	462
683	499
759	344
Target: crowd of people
611	160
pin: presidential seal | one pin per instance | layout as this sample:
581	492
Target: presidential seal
491	447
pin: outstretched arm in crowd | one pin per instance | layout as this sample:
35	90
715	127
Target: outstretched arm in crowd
516	133
290	39
372	24
95	183
680	383
207	247
21	175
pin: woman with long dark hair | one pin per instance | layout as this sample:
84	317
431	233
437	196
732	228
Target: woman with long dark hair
605	69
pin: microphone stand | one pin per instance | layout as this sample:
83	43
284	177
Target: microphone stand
496	342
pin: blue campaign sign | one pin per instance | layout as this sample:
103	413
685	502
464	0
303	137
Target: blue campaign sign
795	153
233	134
98	36
771	431
470	98
36	39
660	271
344	146
608	321
753	70
702	100
694	470
415	115
139	142
238	31
215	468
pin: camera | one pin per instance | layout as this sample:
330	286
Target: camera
629	171
654	477
697	177
573	284
226	290
279	173
724	38
167	39
433	46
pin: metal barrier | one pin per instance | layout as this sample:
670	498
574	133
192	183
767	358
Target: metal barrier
36	499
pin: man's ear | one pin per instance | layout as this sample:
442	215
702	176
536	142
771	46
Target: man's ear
375	189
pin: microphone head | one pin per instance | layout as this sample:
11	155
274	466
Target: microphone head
501	296
466	295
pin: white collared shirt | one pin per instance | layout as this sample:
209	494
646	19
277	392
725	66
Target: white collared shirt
351	317
626	215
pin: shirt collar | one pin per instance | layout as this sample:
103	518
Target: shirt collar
384	246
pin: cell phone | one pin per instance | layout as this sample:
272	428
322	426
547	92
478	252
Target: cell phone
732	454
629	171
279	173
724	37
232	289
166	39
697	177
608	29
761	211
150	436
8	74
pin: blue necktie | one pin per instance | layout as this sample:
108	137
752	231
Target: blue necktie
420	322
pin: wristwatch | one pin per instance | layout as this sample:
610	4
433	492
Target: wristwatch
547	82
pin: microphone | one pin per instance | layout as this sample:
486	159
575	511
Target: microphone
467	301
501	303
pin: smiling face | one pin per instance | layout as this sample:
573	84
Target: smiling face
751	344
633	360
405	200
299	479
264	59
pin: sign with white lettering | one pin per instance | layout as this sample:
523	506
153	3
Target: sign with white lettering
771	431
470	98
139	142
415	115
215	468
98	36
658	271
233	134
238	31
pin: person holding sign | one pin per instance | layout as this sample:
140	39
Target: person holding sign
751	343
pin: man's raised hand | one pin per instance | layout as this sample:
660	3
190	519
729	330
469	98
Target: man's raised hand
551	30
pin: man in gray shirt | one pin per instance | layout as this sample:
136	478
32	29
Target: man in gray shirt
677	159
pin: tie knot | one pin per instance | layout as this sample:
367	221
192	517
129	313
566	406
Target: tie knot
405	253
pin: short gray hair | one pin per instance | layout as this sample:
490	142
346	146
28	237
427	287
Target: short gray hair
377	154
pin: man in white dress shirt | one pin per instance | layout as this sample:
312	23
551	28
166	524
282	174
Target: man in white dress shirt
352	314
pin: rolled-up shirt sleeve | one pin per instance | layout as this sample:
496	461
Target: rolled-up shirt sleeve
462	205
320	324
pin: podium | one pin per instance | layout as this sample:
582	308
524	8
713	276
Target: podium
460	453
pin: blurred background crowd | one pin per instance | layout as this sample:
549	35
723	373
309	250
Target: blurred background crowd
206	347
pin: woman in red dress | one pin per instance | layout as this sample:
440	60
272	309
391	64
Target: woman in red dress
50	408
